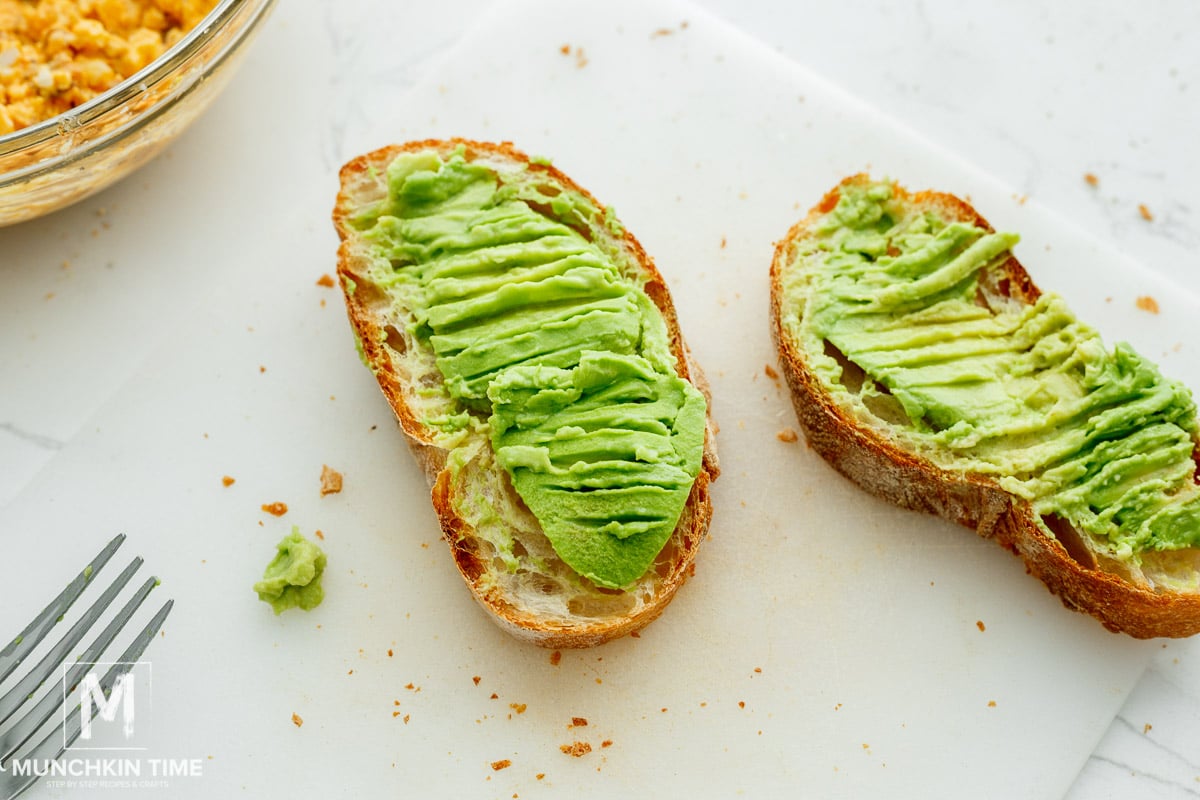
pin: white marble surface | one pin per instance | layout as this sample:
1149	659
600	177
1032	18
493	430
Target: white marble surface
1037	95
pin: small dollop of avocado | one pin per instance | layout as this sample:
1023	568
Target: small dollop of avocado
293	578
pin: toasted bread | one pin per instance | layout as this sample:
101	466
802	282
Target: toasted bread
528	589
1156	594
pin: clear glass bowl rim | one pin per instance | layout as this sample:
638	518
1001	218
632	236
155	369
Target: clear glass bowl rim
179	54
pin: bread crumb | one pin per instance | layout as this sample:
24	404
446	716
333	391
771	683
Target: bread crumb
296	720
578	722
331	480
771	372
723	242
758	670
494	696
325	280
979	624
389	652
261	369
539	776
475	679
1147	303
661	32
576	749
1145	212
1091	179
635	635
275	509
565	49
518	707
503	763
227	480
741	703
580	59
606	743
787	435
406	718
319	534
991	703
1147	728
555	658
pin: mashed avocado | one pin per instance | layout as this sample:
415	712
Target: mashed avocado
550	348
293	578
889	305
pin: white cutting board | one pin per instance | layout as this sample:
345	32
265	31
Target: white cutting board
828	644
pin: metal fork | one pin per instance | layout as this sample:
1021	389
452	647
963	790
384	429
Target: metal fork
23	728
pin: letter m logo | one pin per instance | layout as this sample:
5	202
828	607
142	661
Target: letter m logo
93	700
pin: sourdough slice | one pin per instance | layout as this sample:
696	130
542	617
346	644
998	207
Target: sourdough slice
498	545
1155	594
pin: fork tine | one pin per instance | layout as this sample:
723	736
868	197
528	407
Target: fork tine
29	638
36	717
45	668
65	733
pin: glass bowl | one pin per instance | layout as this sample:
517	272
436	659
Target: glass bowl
64	159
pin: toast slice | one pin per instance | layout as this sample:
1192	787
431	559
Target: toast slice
1079	459
499	544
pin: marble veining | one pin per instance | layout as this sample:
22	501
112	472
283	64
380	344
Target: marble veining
35	439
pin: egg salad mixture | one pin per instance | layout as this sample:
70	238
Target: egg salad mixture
58	54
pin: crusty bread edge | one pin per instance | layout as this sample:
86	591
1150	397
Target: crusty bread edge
880	466
456	530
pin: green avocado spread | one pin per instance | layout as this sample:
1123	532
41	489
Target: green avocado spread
293	578
547	346
899	316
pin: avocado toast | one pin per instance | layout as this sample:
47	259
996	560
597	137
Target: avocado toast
926	366
531	354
